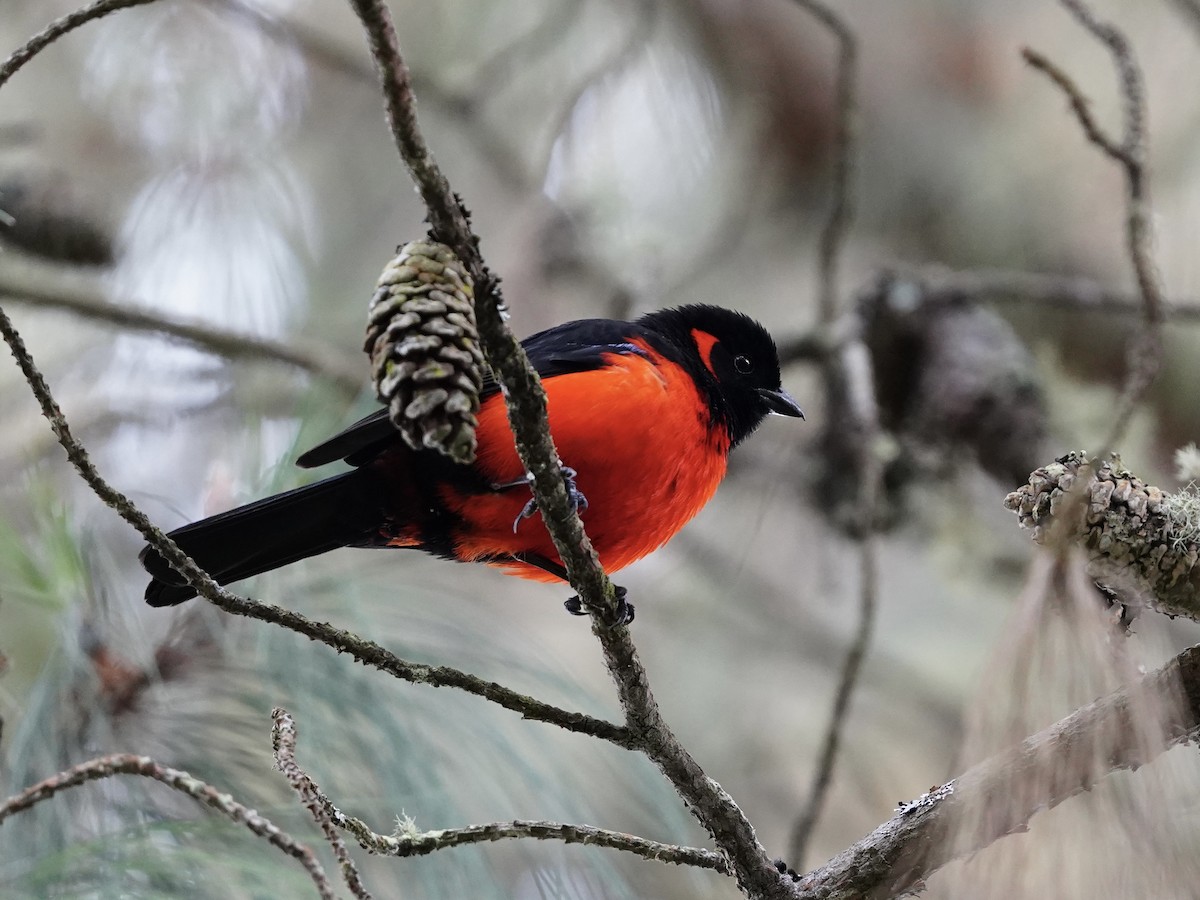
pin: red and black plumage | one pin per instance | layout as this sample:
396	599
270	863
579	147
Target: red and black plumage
644	412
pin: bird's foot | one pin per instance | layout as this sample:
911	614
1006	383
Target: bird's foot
578	501
625	610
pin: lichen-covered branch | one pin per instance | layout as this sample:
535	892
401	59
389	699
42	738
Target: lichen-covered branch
1001	795
283	739
410	841
1140	540
421	843
144	766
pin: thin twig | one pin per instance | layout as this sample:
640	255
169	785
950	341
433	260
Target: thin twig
1080	105
283	739
1144	356
850	377
52	288
421	843
408	841
365	652
57	29
1013	786
833	234
715	809
129	764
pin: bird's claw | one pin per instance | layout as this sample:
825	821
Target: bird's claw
625	610
578	501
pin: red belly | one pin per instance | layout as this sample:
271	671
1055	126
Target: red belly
639	437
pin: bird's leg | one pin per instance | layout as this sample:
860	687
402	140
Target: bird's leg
625	610
578	501
574	605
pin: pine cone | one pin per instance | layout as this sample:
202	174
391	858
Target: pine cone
1139	539
424	349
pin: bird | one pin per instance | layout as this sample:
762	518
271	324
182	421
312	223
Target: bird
643	413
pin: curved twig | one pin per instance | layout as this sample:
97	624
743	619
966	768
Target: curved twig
129	764
408	841
57	29
283	739
1130	152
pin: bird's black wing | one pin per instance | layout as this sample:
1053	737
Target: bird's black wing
571	347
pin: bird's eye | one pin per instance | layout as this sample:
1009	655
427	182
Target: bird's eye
743	365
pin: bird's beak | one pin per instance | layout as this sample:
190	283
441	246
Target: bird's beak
780	403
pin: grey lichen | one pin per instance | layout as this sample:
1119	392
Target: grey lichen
1140	541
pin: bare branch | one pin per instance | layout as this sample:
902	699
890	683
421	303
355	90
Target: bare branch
1044	770
129	764
283	738
1080	105
833	234
52	288
1144	357
57	29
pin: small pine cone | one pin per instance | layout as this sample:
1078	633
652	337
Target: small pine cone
424	349
1139	540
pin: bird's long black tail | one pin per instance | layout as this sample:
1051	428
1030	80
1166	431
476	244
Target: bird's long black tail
337	512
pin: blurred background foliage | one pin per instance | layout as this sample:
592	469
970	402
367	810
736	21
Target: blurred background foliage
226	161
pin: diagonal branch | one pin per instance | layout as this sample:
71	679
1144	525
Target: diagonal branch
713	807
57	29
129	764
1001	795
